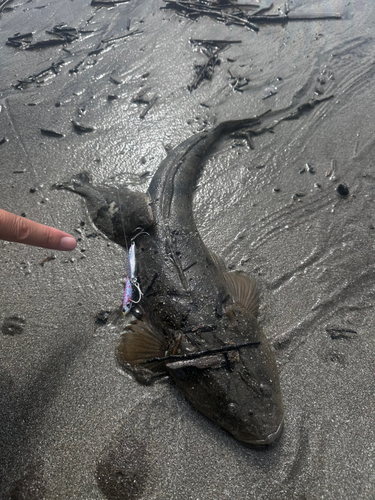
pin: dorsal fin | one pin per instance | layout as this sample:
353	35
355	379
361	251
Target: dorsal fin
244	290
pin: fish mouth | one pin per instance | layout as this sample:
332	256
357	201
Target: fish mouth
270	439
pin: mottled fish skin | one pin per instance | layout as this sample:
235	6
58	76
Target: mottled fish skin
199	318
241	392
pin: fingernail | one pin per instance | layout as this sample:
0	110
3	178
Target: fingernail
68	243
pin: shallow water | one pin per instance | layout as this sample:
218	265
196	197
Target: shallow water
72	424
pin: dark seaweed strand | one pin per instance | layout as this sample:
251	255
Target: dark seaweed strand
198	8
201	354
201	41
271	19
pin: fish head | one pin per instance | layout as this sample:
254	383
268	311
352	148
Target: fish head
237	388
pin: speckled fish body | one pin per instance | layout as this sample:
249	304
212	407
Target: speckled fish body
199	321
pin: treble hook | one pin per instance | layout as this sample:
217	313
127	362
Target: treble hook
135	283
138	234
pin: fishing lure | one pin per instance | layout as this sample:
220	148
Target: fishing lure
131	264
130	283
127	300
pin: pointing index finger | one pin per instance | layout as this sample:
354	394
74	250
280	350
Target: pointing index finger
18	229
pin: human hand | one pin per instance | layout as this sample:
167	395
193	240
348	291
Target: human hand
21	230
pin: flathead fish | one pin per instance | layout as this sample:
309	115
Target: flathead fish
196	321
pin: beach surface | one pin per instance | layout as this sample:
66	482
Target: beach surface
294	207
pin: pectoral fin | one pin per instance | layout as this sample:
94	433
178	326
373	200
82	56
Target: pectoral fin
138	346
244	291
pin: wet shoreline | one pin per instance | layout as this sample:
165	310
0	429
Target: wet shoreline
108	90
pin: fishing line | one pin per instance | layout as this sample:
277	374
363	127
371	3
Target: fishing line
122	220
126	244
129	271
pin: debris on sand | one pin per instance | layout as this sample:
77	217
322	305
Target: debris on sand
229	12
211	49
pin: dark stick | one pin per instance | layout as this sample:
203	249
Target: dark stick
149	106
113	39
213	42
110	3
51	133
286	18
201	354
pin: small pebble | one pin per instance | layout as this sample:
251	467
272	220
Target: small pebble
342	190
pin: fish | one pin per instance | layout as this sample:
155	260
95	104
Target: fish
196	321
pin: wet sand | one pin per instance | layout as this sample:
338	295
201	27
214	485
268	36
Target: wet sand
72	424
